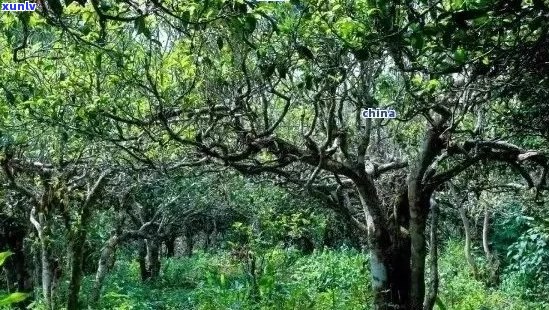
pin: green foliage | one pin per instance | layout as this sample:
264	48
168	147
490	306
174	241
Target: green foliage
323	280
4	256
528	258
13	297
330	279
460	290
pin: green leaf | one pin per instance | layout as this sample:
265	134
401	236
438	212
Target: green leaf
432	85
460	55
4	256
373	11
417	41
141	27
13	298
457	4
417	80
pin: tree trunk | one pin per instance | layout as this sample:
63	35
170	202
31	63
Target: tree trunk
37	267
153	258
418	216
485	230
491	259
107	254
77	259
207	240
108	258
433	253
45	253
170	246
389	259
142	253
189	243
467	248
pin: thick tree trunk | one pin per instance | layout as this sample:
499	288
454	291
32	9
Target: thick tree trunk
153	258
108	258
107	255
389	259
77	258
418	252
78	242
170	246
207	240
142	258
189	243
433	253
419	202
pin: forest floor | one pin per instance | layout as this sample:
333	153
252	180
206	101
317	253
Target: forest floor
286	279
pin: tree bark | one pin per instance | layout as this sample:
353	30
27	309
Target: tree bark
433	253
153	258
78	242
107	254
107	258
37	267
170	246
419	201
467	247
491	259
45	253
485	231
189	244
418	252
77	258
142	258
389	259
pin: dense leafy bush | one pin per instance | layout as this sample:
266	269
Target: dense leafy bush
460	290
329	279
529	264
288	280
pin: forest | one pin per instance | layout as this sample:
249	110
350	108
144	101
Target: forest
236	154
